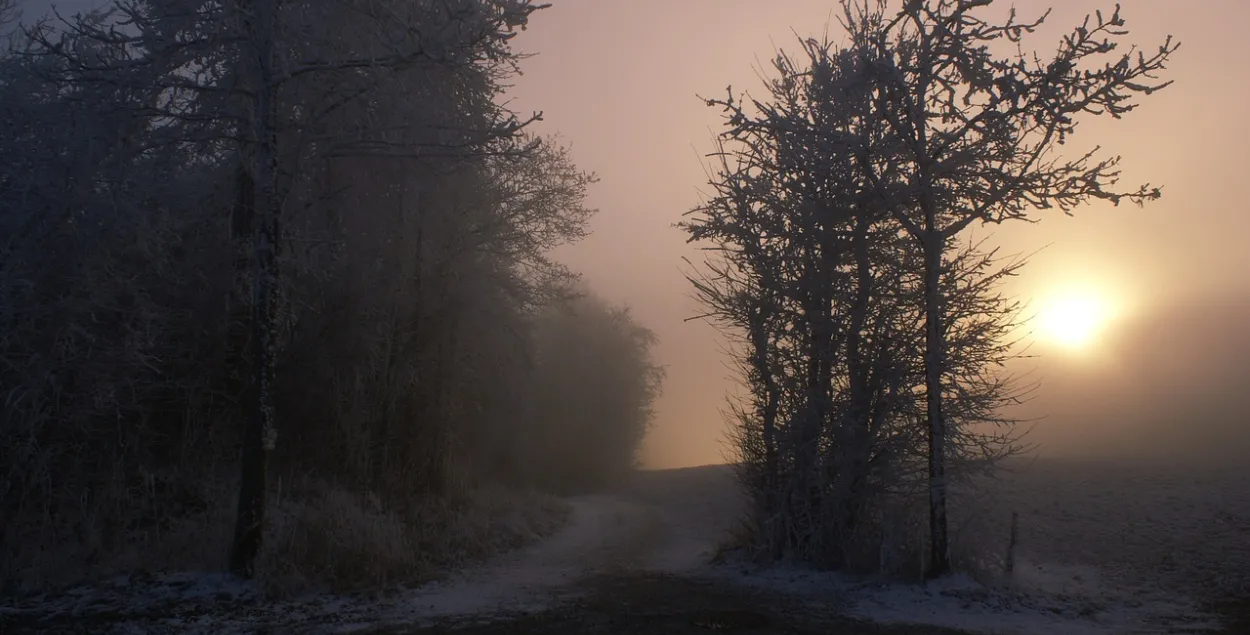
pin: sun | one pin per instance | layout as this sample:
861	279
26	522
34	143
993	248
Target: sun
1073	319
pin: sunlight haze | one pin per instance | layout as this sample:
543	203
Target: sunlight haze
621	82
1073	318
623	316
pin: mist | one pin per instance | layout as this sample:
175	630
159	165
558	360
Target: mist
631	78
450	315
1167	385
623	85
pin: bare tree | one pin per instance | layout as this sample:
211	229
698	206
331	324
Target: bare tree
235	82
9	14
822	296
973	136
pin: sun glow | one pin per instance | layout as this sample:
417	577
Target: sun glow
1073	319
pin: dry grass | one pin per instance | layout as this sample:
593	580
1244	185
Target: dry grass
894	540
326	536
120	531
319	536
979	531
740	542
330	536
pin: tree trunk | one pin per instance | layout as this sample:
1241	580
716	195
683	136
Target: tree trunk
238	311
261	159
811	468
767	412
857	432
939	562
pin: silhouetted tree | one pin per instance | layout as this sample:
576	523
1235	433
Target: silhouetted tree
9	14
811	272
413	225
252	72
972	135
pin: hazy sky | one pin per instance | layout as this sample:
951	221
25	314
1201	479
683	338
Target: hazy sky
619	81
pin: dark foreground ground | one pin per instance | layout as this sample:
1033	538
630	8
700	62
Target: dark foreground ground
635	563
1235	612
667	604
635	604
672	605
616	604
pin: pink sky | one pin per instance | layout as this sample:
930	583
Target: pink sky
618	81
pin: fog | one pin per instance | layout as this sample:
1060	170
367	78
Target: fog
1169	384
621	82
301	291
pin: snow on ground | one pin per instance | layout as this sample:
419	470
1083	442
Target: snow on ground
1037	601
1180	528
658	525
1104	550
604	535
125	603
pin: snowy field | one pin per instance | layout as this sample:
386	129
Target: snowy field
1120	531
1177	529
1104	549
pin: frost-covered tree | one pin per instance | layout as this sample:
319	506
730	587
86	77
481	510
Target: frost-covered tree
9	15
813	280
410	216
261	78
974	134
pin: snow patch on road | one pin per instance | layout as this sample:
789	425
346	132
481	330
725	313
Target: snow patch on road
667	522
604	535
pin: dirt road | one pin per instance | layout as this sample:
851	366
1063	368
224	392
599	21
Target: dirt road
665	523
635	560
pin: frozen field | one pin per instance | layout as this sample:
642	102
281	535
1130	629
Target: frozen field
1149	531
1175	528
1104	549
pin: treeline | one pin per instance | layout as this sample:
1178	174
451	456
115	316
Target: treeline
871	331
305	232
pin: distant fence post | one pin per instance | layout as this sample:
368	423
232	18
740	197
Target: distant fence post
1011	545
